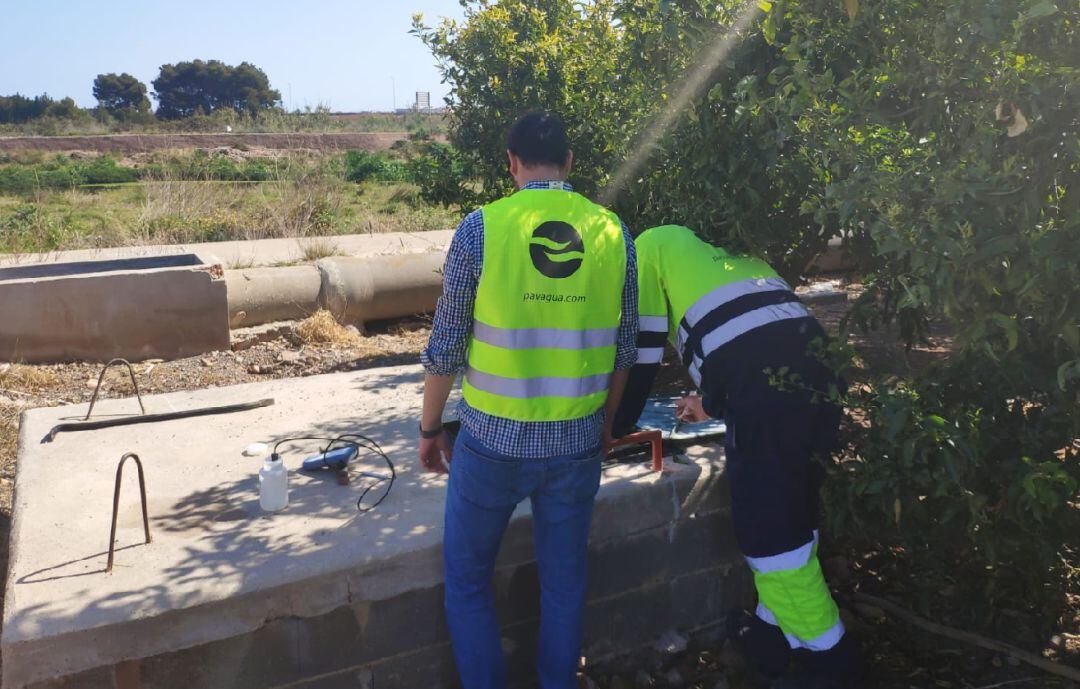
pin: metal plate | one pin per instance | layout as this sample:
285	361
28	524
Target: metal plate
659	414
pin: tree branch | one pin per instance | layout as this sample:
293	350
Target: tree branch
911	618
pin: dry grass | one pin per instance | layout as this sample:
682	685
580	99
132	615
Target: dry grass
322	328
9	444
241	263
289	205
168	196
168	210
26	379
9	437
318	247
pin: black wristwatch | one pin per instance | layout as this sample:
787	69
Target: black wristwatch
433	433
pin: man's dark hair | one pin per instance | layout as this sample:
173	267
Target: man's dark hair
539	138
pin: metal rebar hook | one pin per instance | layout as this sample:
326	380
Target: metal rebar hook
101	377
116	504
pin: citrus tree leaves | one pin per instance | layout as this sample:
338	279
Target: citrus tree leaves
894	124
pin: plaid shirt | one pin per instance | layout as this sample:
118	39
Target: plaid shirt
445	354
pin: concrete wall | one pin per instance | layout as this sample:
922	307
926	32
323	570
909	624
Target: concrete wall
256	252
316	595
115	312
662	557
152	302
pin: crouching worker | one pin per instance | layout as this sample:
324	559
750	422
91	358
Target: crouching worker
539	309
731	318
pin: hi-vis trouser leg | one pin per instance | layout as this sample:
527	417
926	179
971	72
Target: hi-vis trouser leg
774	492
793	596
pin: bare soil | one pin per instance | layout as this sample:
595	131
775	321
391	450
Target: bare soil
127	144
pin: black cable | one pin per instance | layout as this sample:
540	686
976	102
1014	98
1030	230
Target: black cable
360	442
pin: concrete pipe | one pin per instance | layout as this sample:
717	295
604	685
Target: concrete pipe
264	295
357	290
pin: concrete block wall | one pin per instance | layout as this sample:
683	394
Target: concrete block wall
662	556
127	308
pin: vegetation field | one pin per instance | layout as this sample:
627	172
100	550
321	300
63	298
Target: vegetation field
129	143
275	121
64	201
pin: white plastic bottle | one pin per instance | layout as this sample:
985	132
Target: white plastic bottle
273	485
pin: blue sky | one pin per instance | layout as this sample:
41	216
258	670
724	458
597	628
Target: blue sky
342	53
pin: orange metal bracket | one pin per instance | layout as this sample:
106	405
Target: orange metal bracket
653	438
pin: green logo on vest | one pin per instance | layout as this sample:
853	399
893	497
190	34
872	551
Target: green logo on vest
556	249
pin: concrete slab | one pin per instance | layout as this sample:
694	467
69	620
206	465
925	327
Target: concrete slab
223	585
135	308
258	252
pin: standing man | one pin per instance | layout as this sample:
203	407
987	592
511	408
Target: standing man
736	325
539	309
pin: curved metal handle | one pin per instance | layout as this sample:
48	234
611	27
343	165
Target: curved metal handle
116	504
101	377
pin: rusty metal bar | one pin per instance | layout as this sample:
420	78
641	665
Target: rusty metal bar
152	418
116	504
101	377
655	439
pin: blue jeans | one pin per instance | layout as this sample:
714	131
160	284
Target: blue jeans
485	486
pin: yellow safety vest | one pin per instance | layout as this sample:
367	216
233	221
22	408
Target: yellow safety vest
547	308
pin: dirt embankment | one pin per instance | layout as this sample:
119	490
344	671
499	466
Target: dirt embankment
126	144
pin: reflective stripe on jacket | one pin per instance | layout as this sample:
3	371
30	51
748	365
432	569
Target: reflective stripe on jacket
701	298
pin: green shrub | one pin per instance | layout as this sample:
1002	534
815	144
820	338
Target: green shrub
26	229
362	166
104	170
16	179
219	168
203	165
62	172
940	139
439	172
258	170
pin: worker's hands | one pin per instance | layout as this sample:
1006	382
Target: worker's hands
607	441
690	410
435	453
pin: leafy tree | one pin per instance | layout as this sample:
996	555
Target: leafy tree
65	108
510	57
607	67
185	89
121	94
17	108
941	140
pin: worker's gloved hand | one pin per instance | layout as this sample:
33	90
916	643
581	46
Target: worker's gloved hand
690	410
435	453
